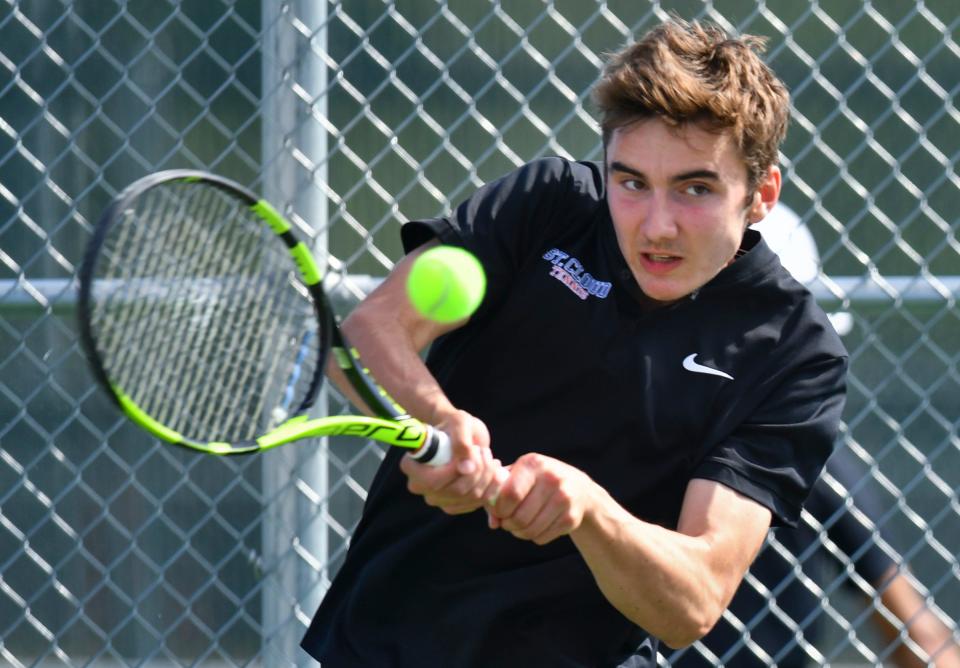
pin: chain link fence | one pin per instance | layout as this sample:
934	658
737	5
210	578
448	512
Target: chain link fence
355	116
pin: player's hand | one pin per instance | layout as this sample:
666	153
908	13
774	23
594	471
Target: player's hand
541	500
457	487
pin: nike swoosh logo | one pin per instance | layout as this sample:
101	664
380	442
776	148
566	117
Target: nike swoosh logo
690	364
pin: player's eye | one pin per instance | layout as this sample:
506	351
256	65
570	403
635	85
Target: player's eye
696	189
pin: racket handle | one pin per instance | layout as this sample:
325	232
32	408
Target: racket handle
436	450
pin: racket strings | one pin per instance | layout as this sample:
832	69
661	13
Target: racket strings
178	250
201	318
251	329
283	373
132	327
163	267
213	352
153	300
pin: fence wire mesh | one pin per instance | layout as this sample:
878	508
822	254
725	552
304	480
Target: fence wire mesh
355	116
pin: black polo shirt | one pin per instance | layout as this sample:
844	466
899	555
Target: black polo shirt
742	383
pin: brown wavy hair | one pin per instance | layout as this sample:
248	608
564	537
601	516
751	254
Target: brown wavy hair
695	73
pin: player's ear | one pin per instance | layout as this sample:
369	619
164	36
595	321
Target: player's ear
765	196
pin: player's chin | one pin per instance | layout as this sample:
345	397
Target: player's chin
667	290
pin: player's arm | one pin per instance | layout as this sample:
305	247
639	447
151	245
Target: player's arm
390	334
924	627
674	584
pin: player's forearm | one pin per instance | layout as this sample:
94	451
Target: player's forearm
659	579
934	640
392	354
390	334
674	584
925	629
339	379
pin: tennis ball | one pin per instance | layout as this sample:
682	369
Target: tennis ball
446	284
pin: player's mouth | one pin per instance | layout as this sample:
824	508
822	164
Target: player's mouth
659	263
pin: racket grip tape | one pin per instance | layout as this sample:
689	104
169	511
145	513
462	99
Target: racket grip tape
436	449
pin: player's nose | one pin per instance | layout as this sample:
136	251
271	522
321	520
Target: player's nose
659	220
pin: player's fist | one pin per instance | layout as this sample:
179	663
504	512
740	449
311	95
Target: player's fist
541	500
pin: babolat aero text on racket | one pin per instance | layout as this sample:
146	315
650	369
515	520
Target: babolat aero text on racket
204	317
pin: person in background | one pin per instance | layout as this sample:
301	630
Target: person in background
850	528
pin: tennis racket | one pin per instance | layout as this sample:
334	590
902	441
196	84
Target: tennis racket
204	317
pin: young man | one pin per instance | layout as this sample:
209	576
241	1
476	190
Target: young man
657	386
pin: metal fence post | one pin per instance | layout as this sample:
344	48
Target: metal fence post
294	154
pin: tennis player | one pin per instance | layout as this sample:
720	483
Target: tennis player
642	391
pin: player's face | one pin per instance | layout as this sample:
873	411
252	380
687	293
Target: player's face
678	198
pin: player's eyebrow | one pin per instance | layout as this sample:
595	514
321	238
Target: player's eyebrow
709	174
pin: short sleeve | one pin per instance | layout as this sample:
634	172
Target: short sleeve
776	455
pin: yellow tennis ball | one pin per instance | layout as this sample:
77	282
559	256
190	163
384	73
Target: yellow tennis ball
446	284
